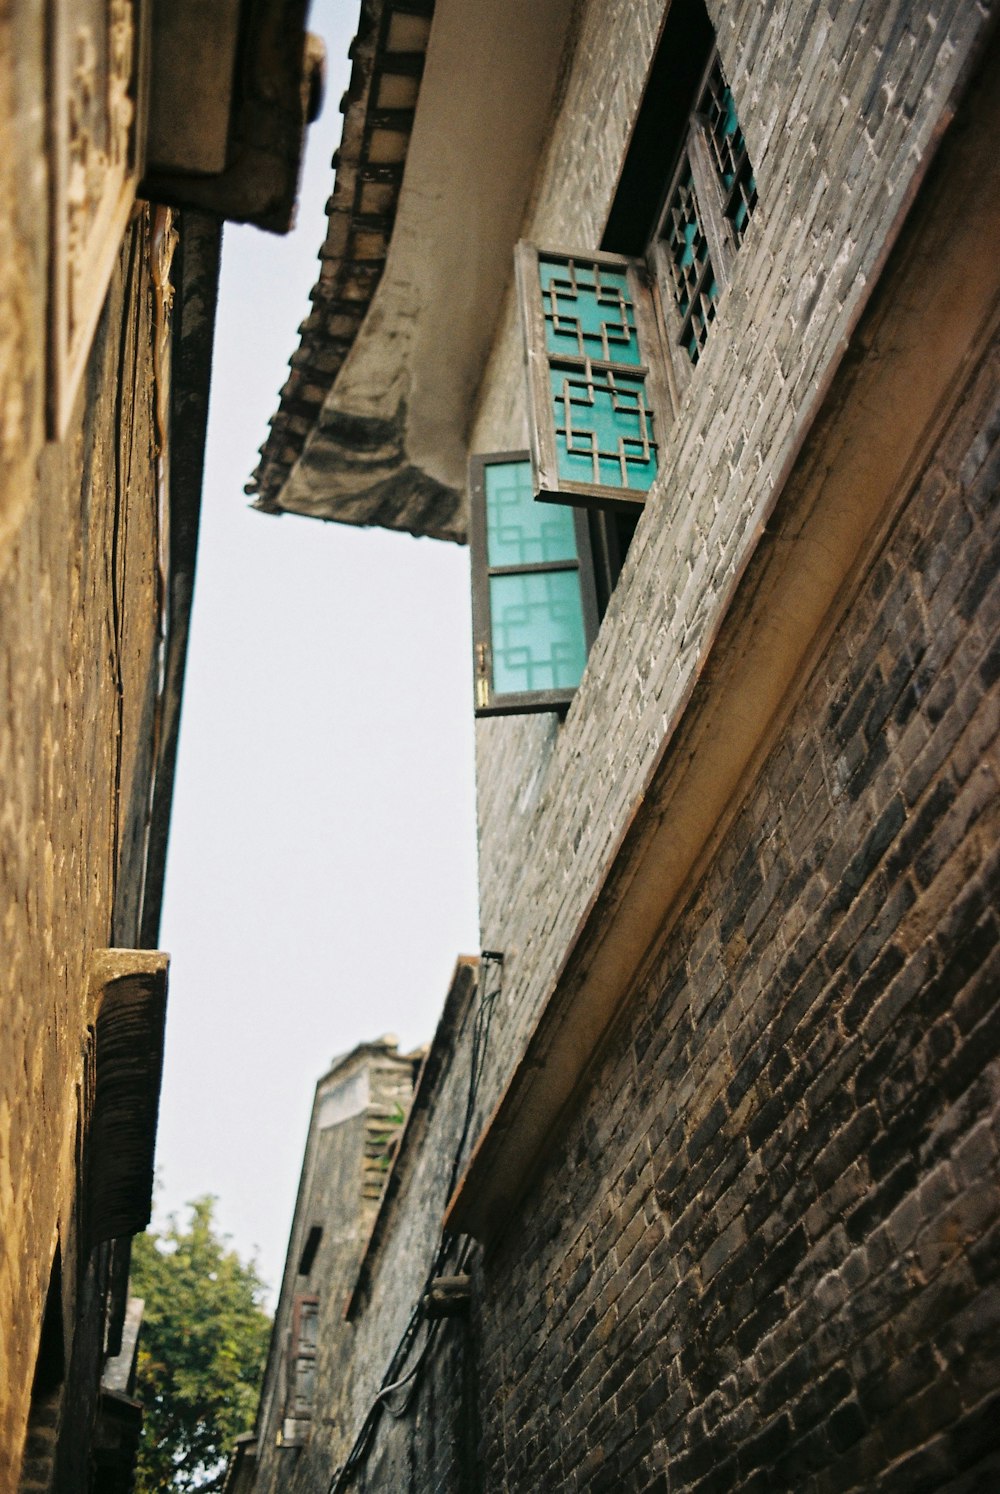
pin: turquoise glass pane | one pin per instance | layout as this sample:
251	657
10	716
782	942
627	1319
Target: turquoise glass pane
588	311
729	149
520	531
537	632
730	124
603	428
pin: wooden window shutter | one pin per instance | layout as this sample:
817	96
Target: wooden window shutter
301	1369
598	398
534	606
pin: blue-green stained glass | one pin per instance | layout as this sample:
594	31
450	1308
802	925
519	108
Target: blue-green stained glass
603	428
745	201
728	149
588	311
538	640
695	287
520	531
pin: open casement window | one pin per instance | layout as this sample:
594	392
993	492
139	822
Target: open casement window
301	1370
534	612
707	208
598	400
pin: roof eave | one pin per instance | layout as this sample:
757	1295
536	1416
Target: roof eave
373	421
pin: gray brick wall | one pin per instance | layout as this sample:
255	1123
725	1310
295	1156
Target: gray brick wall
763	1253
838	103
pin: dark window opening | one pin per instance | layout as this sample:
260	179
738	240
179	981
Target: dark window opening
309	1249
684	197
685	44
610	536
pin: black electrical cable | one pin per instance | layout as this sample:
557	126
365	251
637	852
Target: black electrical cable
392	1380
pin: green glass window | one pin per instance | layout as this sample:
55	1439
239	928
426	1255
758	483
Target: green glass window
534	607
708	207
729	149
597	394
690	263
537	632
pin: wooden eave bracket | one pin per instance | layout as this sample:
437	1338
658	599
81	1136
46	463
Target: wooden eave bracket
861	445
128	1003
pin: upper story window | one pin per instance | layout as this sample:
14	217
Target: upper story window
595	376
708	206
612	337
534	609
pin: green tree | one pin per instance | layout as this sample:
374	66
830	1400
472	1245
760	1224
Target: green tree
201	1351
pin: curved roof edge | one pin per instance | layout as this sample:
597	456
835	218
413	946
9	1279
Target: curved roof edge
387	54
374	419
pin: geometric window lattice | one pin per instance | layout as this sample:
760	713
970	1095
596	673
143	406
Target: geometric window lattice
588	311
729	150
534	616
604	427
708	207
537	634
696	288
519	531
594	378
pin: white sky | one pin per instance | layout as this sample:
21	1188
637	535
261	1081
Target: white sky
321	875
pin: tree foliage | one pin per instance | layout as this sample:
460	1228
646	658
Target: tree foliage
201	1351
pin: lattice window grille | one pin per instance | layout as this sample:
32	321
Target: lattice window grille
695	284
729	150
591	407
596	381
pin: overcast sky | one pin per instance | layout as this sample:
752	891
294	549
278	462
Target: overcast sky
321	876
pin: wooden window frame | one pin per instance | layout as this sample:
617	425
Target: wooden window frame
487	701
297	1353
550	487
663	332
713	203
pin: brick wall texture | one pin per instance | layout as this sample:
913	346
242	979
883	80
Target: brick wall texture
79	670
760	1249
764	1253
838	103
